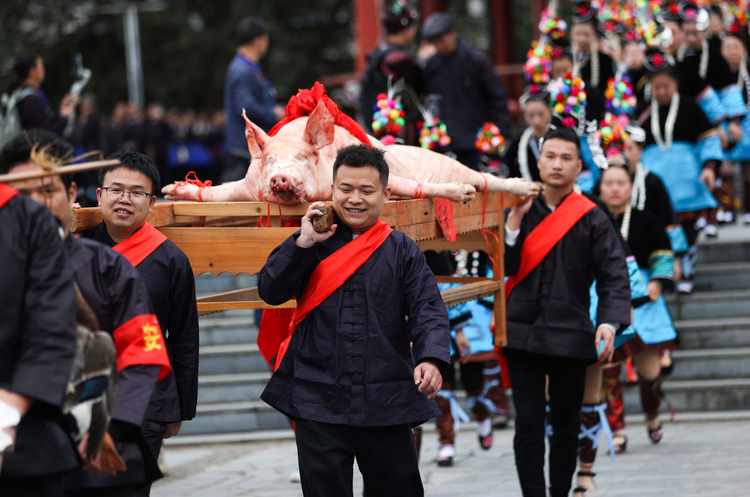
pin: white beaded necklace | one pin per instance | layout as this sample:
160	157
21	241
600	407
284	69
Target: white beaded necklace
625	228
703	64
744	79
523	154
638	198
674	106
593	59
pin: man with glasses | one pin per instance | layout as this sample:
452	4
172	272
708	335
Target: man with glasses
126	194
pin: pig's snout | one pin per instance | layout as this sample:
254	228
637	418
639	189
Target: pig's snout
281	182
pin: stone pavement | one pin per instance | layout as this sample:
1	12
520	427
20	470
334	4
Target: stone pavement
694	458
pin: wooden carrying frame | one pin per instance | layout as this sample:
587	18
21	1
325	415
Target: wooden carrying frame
219	238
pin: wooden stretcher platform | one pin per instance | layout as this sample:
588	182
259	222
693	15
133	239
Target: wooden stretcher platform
224	238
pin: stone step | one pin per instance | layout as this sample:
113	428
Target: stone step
696	395
231	358
217	415
217	329
246	416
231	387
723	251
703	305
711	364
713	333
722	276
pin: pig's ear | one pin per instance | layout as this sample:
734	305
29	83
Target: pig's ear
256	137
320	129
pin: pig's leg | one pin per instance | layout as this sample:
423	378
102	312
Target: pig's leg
402	187
234	191
515	186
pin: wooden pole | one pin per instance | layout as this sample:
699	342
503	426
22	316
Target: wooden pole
74	168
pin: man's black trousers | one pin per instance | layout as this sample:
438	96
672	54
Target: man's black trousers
567	377
386	457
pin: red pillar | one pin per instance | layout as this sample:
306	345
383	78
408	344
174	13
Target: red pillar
366	30
501	28
429	7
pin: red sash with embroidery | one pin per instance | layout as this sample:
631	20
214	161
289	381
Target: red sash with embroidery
141	244
140	341
6	193
331	273
547	234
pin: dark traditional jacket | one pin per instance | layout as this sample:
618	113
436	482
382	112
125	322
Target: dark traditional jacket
606	71
37	335
470	93
349	362
115	292
169	279
548	312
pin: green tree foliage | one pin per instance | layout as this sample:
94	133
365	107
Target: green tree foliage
185	48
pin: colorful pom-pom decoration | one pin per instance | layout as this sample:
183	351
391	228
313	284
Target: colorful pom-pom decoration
489	141
612	134
568	99
388	118
538	67
552	26
620	96
433	135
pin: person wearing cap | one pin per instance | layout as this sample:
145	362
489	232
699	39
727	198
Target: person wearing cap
470	92
734	51
391	60
246	87
595	66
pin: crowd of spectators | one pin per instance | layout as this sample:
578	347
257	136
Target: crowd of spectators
177	140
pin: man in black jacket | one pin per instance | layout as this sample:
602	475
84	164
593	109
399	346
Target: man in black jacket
390	59
35	109
349	377
548	327
37	348
470	92
127	193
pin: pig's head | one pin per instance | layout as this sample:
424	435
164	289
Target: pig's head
292	167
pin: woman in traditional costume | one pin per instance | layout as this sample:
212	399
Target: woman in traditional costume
683	149
595	67
472	347
651	249
735	53
523	153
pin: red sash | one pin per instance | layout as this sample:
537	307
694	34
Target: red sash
538	244
6	193
547	234
330	274
140	341
140	244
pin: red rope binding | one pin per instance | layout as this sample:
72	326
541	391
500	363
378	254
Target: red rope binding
200	184
495	267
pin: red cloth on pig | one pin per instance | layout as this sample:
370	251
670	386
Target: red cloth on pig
304	102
